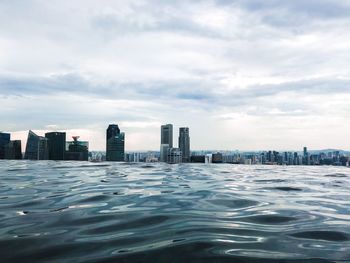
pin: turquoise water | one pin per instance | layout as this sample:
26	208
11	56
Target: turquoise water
119	212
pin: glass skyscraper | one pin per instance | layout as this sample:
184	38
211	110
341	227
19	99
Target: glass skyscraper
56	145
184	143
166	135
115	144
37	147
166	141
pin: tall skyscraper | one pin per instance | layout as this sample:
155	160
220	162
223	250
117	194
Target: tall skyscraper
306	159
166	141
37	147
4	140
184	143
56	145
164	152
115	144
166	135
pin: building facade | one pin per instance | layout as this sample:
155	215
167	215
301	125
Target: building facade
166	135
184	144
36	148
166	141
4	140
56	145
174	155
198	159
115	144
77	150
216	158
164	152
13	150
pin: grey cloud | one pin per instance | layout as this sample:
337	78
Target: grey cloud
187	93
292	13
313	8
74	84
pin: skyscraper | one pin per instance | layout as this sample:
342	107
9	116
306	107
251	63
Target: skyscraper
166	141
56	145
306	159
184	143
115	144
4	140
166	136
37	147
164	152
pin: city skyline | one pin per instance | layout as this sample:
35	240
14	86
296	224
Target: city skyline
54	146
176	136
258	75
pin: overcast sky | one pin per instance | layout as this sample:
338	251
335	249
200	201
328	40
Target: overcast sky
244	74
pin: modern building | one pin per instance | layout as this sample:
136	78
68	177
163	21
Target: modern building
306	159
36	148
184	144
164	152
174	155
4	140
77	150
166	135
166	141
13	150
56	145
115	144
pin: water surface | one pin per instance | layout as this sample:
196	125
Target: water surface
119	212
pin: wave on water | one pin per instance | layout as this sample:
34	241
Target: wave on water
115	212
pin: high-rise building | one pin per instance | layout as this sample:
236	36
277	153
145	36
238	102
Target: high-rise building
4	140
166	141
305	151
56	145
115	144
306	159
166	135
164	152
184	144
13	150
36	148
77	150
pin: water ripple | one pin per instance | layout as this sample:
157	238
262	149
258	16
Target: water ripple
120	212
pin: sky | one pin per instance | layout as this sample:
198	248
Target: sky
244	74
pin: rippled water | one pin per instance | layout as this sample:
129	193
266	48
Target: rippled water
117	212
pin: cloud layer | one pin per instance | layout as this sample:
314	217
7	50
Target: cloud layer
243	74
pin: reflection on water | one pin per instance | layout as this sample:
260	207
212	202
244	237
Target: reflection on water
117	212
